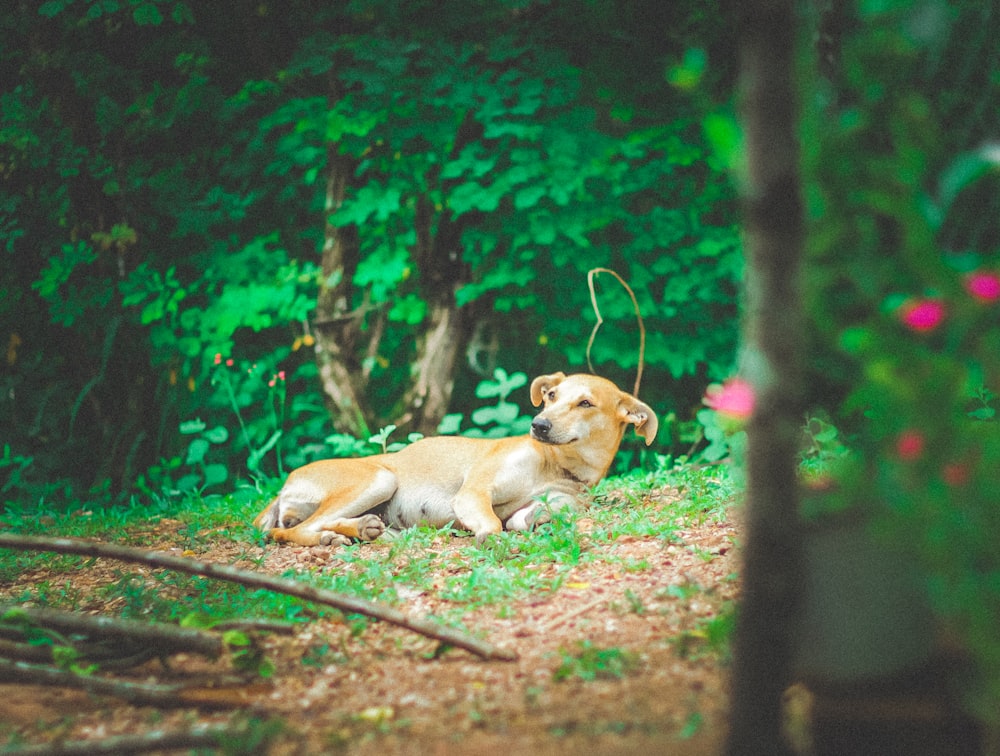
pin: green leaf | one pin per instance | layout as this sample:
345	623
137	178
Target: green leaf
196	451
217	435
236	638
196	620
726	138
53	8
190	427
964	171
189	482
189	346
215	474
147	15
450	424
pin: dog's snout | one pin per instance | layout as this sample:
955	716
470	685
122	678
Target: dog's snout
540	427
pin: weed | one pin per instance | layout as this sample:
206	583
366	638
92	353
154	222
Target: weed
381	439
709	636
592	663
634	602
692	725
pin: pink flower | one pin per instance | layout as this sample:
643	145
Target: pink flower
218	358
733	399
281	375
956	474
983	286
910	445
921	315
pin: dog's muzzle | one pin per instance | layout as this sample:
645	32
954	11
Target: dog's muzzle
540	429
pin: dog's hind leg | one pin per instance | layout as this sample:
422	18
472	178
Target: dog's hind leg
343	514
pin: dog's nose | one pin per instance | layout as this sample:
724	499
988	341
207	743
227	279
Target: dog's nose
540	427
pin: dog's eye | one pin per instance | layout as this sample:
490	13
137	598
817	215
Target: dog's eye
585	403
552	396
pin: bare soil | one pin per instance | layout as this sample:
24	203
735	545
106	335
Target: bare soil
383	692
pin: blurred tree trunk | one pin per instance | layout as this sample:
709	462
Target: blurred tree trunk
771	356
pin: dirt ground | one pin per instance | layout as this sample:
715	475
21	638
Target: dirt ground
383	692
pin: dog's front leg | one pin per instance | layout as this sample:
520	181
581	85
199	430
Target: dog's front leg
474	511
540	510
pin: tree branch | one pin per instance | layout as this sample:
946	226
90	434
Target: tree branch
140	694
195	738
349	604
155	638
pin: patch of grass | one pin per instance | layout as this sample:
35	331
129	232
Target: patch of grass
711	636
592	663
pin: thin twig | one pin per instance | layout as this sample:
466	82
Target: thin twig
600	321
348	604
580	610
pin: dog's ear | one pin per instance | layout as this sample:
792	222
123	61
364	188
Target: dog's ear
641	416
541	385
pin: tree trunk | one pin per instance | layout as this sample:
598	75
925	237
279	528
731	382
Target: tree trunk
337	326
432	375
348	340
446	329
771	361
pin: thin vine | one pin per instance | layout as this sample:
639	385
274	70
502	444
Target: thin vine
591	274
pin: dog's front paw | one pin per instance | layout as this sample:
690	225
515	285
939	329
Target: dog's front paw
370	527
331	538
539	516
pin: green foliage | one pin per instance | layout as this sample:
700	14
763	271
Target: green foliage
905	294
493	421
203	438
164	202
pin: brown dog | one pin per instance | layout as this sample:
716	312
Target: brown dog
478	484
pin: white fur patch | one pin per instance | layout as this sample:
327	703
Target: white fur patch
298	500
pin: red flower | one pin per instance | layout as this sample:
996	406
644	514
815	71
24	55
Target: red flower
983	286
910	445
955	474
734	399
921	315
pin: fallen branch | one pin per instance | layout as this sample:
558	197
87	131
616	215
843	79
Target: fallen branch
138	694
195	738
155	638
348	604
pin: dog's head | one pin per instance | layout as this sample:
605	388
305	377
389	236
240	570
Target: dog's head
587	408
